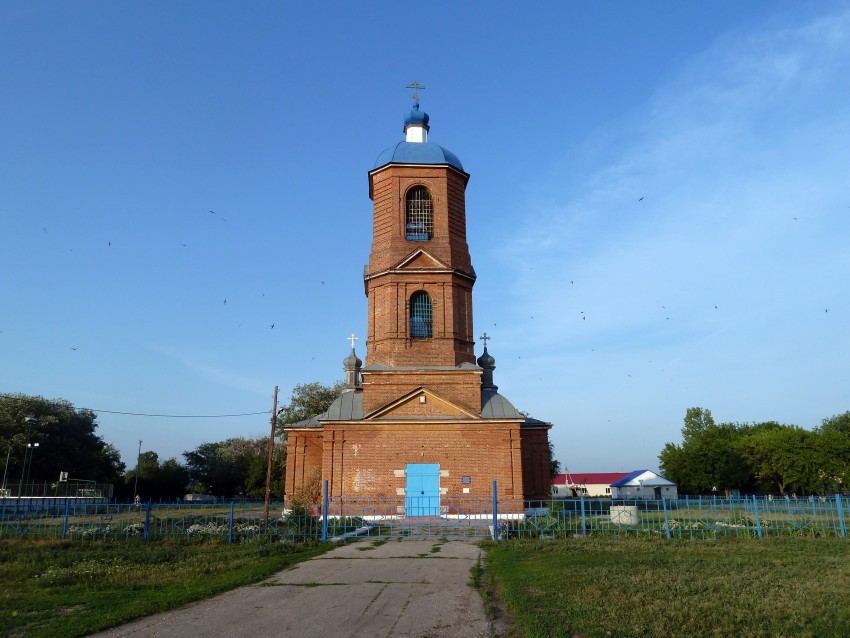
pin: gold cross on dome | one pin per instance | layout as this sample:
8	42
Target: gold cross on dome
415	86
485	338
352	339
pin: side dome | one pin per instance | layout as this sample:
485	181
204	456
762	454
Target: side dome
417	153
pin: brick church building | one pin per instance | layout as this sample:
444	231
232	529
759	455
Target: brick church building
422	422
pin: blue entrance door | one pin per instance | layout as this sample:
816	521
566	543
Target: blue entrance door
422	489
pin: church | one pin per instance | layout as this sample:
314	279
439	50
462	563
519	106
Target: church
422	422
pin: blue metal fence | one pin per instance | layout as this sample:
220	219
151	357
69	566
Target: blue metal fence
471	517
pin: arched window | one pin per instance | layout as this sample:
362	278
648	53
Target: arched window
420	316
419	224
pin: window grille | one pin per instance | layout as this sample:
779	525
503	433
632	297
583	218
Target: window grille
420	215
420	316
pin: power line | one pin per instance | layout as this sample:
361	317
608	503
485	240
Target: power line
182	416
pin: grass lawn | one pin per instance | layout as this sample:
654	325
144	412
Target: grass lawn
71	588
629	587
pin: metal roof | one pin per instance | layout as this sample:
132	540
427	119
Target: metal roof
495	406
642	477
346	407
589	478
349	407
417	153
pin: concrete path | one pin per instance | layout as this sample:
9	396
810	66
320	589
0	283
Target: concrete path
398	588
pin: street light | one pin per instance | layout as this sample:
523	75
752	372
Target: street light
32	447
6	470
29	421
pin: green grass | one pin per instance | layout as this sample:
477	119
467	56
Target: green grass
627	588
64	589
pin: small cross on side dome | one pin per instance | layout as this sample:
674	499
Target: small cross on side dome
352	339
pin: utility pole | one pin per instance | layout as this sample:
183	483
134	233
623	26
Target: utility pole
271	453
138	462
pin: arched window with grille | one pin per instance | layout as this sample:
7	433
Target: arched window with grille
419	224
420	316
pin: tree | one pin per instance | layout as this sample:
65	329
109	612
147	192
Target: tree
708	459
782	456
554	465
308	400
161	481
697	422
66	439
233	467
834	445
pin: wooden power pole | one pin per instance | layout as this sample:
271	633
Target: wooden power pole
271	454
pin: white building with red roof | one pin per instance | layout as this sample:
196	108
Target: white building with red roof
640	484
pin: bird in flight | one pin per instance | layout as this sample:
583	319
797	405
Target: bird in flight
323	283
213	212
225	302
641	199
74	349
272	327
109	244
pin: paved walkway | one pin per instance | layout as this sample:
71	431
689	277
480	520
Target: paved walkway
398	588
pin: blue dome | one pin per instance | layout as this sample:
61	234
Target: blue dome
418	153
416	117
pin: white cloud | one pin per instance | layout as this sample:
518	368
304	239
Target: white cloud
742	164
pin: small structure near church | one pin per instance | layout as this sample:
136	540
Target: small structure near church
644	484
640	484
423	421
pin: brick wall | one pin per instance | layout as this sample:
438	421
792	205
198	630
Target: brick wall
460	386
448	280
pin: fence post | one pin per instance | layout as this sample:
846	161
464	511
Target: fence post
325	512
756	510
65	521
147	520
495	513
840	511
230	525
583	519
666	522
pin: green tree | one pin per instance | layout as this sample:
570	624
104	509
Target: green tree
554	464
697	421
834	445
784	457
708	459
308	400
235	467
66	437
157	480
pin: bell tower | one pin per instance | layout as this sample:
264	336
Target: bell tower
422	424
419	278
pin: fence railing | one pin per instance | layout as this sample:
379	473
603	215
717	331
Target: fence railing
59	489
470	517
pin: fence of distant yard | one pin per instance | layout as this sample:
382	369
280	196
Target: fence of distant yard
471	517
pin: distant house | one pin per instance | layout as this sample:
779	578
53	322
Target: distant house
590	484
643	484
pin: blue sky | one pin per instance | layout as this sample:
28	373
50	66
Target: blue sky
658	213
